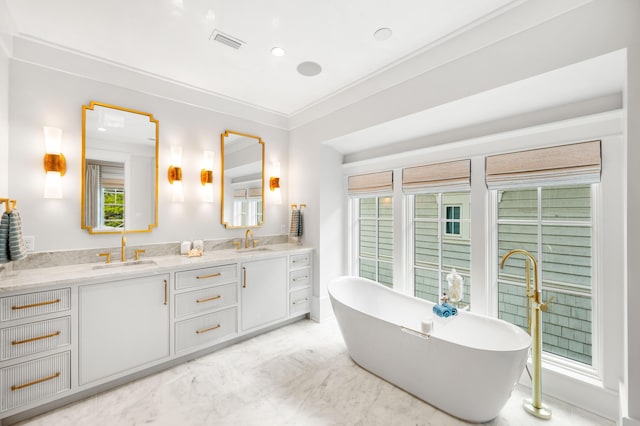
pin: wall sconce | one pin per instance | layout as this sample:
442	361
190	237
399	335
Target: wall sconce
55	164
175	173
274	183
206	176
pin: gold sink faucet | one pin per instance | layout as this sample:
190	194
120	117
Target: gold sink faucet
246	238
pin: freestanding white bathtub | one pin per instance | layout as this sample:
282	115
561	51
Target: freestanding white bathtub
466	366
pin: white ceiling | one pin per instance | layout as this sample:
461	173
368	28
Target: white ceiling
170	39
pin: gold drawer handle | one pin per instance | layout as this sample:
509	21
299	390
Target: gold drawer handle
199	277
306	299
204	330
33	305
301	260
35	382
306	277
33	339
208	299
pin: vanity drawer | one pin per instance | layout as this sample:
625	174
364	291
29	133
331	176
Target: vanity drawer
35	337
206	276
206	299
35	380
300	301
34	304
206	329
299	260
299	278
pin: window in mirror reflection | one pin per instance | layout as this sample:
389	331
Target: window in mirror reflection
247	207
105	194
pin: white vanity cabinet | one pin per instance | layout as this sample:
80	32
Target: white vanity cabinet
264	292
64	337
35	337
122	325
300	280
206	306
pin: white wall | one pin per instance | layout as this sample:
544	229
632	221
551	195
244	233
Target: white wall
5	50
41	96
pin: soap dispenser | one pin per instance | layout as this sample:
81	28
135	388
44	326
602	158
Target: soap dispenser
456	286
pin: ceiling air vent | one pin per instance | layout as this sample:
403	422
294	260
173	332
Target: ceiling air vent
226	39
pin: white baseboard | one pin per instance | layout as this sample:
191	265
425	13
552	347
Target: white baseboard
628	421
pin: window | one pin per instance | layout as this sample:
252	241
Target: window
441	242
375	239
452	226
555	225
112	207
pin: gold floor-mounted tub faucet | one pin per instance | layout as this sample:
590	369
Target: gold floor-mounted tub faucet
534	404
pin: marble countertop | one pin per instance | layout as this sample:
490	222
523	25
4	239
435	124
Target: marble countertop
88	273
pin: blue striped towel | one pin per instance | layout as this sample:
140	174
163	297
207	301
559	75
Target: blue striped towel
17	247
4	238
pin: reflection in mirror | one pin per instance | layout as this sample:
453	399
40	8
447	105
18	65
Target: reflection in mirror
242	180
119	169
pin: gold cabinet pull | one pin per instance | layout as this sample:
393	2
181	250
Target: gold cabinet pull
33	339
306	277
166	292
244	277
300	301
208	299
35	382
204	330
33	305
200	277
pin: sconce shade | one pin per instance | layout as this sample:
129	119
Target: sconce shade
53	185
177	195
53	140
55	165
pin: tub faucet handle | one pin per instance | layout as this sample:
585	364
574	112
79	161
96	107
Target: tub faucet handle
444	298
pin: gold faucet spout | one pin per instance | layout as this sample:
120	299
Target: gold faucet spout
122	246
246	237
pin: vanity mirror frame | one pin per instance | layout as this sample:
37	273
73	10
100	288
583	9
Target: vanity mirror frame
259	140
152	120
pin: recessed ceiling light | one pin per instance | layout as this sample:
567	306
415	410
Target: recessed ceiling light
277	51
309	69
102	129
382	34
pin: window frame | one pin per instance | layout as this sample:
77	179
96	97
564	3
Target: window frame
550	360
354	235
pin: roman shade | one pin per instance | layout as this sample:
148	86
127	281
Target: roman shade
371	183
239	193
450	176
254	193
578	163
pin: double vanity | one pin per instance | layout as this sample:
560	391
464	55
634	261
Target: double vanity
68	332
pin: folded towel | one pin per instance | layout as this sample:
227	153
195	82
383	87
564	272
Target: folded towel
4	238
17	247
441	311
295	230
453	309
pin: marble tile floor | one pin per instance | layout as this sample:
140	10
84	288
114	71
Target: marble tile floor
300	374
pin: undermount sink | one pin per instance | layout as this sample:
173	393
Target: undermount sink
125	264
253	249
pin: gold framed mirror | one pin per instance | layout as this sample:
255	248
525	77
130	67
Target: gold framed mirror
119	170
241	180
